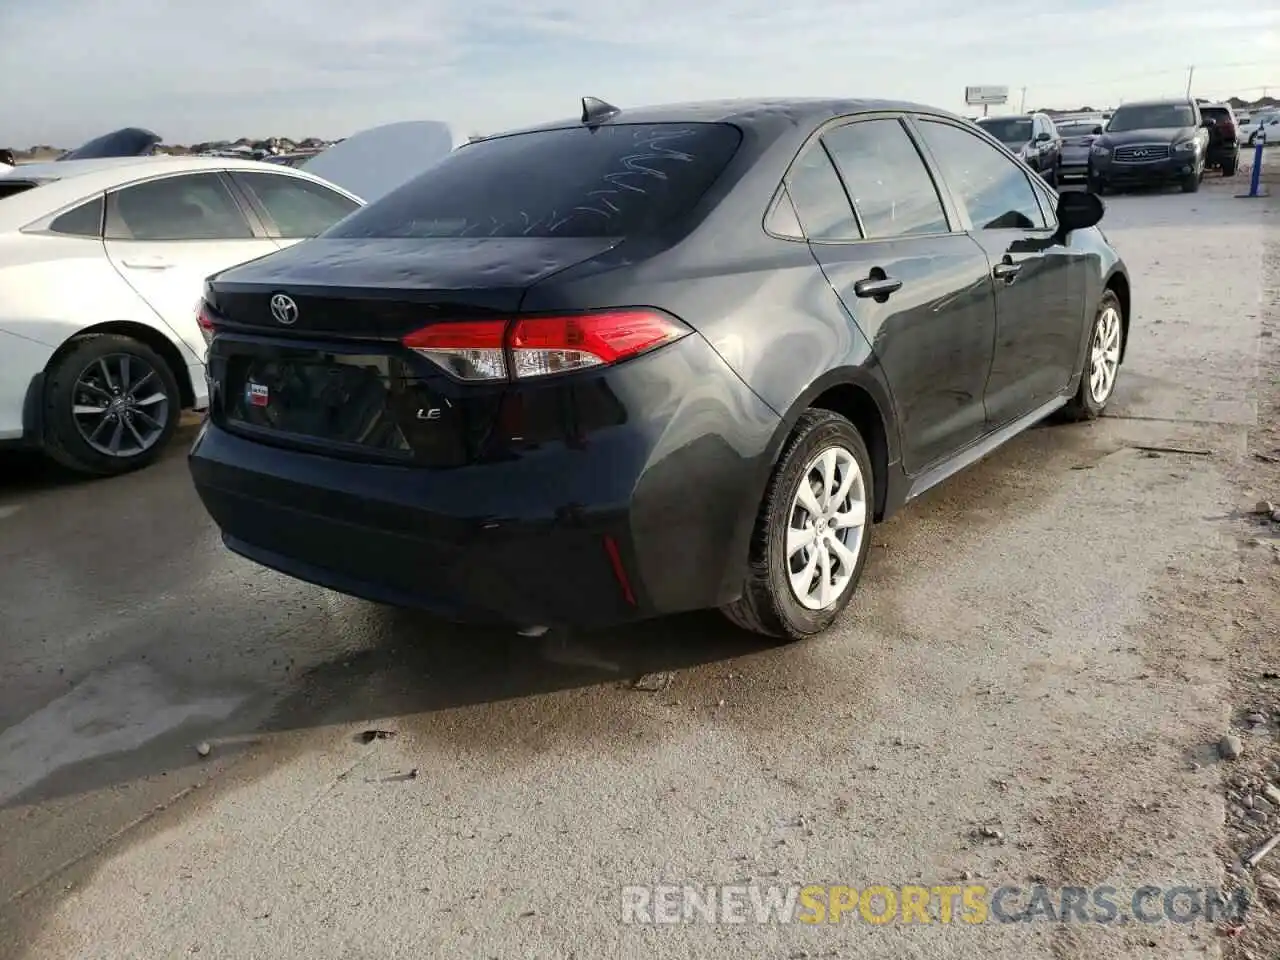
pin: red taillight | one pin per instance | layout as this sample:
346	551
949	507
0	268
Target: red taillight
468	349
1228	129
539	346
204	318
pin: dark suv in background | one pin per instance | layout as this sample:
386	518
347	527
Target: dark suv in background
1033	137
1078	137
1224	145
1150	143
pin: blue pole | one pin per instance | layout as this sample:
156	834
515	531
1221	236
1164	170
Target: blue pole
1256	179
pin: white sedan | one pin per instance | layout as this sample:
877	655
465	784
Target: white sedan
102	263
1264	125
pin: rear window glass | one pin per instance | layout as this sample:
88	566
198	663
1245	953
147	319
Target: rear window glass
611	181
11	188
1158	116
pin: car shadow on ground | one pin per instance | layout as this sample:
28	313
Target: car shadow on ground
377	666
23	472
419	667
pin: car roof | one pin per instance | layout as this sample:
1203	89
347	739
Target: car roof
1162	102
766	113
62	184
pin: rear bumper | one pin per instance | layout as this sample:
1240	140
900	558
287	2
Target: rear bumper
642	519
1136	174
1215	155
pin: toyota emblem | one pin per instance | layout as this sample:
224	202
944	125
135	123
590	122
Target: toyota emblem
284	309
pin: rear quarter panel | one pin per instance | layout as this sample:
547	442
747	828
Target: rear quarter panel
20	360
51	288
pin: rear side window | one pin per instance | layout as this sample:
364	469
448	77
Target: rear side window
819	198
195	206
82	221
610	181
888	181
299	207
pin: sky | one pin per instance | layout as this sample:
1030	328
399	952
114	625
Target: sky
192	70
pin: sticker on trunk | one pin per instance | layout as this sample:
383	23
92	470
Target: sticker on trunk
256	394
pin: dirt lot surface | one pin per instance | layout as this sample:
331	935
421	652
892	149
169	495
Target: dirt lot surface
1030	688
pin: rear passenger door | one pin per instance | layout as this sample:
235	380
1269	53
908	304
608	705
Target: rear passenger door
919	291
165	236
293	208
1039	280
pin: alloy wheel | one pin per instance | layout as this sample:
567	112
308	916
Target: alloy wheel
1104	355
825	528
119	405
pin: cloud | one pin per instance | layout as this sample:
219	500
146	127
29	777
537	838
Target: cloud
322	67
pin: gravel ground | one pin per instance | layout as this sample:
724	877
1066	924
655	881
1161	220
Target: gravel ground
1030	688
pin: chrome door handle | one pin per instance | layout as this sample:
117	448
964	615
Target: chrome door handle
144	263
1006	271
877	288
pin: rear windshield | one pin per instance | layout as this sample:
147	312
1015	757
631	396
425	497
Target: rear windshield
11	188
1162	116
1008	129
1079	129
1218	113
611	181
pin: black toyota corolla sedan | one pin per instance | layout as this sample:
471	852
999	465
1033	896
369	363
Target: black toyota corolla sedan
653	360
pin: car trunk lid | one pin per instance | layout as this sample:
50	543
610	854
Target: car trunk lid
330	372
382	289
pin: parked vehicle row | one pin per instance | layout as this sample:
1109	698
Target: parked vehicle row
102	262
1147	143
650	360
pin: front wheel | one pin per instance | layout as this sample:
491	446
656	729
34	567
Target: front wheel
812	533
1101	363
111	404
1191	182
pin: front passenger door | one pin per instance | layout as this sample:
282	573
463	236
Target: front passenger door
293	208
1039	280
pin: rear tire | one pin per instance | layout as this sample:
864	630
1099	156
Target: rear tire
111	405
1106	346
792	550
1229	166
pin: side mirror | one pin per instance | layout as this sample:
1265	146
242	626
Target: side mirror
1043	138
1097	131
1079	211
